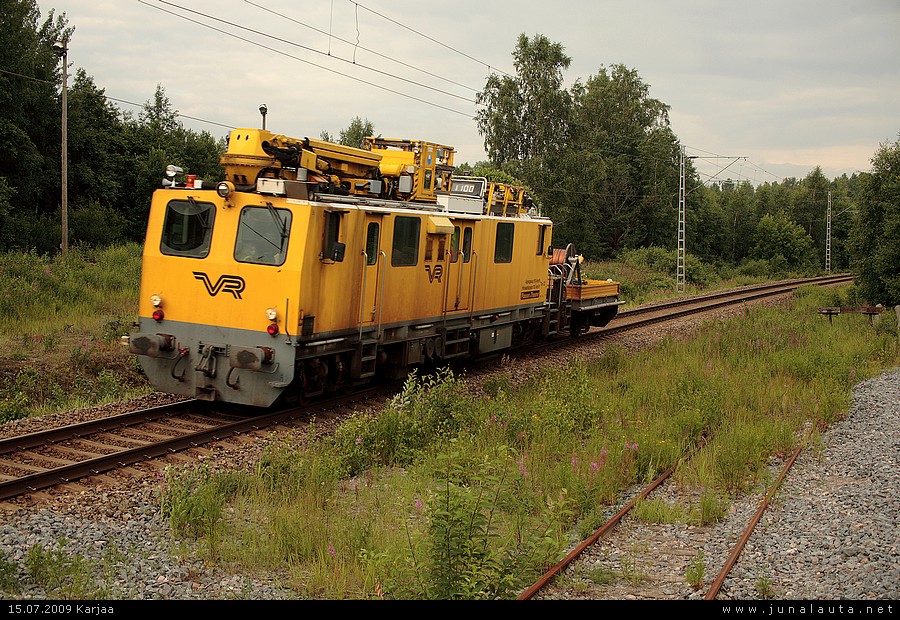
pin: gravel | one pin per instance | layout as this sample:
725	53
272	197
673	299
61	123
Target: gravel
830	533
832	530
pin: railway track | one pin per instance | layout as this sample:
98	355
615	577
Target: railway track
671	309
666	311
547	582
65	454
62	455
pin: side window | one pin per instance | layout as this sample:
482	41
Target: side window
187	228
262	236
542	239
504	247
332	248
467	245
405	251
454	245
372	243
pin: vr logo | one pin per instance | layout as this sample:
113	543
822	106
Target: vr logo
434	273
230	284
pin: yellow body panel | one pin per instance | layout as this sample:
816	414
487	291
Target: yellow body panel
425	291
332	292
180	280
338	294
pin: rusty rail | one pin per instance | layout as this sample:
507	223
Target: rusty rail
549	575
732	558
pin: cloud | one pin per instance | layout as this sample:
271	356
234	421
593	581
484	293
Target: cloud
788	85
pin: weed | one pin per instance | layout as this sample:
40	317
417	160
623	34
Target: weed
62	575
657	511
764	588
632	572
9	581
602	575
695	571
497	385
712	508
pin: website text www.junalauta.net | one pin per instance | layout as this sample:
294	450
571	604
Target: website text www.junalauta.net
807	608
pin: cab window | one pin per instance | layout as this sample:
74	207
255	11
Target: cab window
262	236
467	245
187	228
542	239
372	243
454	245
503	249
405	250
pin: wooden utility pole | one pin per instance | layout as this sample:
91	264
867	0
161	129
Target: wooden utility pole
62	50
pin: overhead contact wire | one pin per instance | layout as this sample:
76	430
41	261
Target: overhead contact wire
318	66
362	47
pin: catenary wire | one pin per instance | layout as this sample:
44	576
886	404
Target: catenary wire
272	49
371	51
315	51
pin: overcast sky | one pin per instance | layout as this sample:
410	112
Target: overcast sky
764	89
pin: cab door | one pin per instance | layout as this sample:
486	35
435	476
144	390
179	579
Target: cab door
459	268
372	281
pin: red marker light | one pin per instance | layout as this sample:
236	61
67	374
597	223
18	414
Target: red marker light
272	329
158	315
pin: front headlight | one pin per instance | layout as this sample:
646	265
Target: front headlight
225	189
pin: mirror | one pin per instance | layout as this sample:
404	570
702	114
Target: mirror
337	252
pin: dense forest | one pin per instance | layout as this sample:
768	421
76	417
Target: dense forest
600	158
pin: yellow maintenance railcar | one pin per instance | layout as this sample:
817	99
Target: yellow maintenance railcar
315	266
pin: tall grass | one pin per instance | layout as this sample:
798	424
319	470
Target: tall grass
82	289
447	496
60	322
648	274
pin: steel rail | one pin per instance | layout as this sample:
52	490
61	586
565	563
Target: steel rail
739	546
122	458
9	445
602	531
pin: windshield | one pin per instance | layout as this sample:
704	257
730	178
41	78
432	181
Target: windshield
187	229
263	235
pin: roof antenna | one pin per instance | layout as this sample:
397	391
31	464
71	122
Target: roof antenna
262	110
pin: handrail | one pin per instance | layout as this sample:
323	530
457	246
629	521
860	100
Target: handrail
362	292
474	282
380	293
